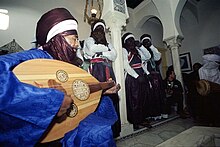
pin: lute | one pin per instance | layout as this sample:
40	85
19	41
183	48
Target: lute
84	89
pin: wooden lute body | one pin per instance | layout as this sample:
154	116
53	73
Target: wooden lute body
84	89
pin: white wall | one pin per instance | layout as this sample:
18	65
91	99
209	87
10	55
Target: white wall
201	30
24	15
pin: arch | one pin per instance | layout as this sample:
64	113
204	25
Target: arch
147	24
139	14
177	17
143	20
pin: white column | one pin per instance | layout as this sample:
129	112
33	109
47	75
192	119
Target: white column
115	21
119	71
115	14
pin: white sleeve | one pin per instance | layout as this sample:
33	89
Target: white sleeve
145	54
111	54
90	48
127	67
157	54
79	54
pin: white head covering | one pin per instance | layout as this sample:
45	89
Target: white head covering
129	36
61	27
98	24
210	70
211	57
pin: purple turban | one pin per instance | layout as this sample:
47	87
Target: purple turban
53	22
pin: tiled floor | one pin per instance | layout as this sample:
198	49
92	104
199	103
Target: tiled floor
161	131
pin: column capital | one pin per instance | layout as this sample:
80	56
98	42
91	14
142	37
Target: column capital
114	20
173	42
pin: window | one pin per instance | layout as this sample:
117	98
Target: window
4	23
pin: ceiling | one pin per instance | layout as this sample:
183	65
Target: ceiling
133	3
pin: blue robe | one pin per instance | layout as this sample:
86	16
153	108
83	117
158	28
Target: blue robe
26	111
